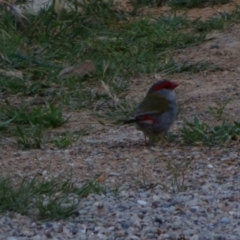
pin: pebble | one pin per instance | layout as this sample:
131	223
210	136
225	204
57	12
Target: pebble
225	220
210	166
141	202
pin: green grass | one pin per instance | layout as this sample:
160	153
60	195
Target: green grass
44	199
219	110
29	123
49	116
178	175
198	132
65	139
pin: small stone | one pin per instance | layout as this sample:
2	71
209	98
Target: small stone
133	237
59	229
48	234
113	174
194	208
233	213
155	204
151	236
120	233
101	236
148	230
195	237
141	215
176	224
97	229
74	230
125	225
82	212
110	229
210	166
37	237
48	224
214	46
158	219
136	224
225	220
98	205
155	198
163	236
66	230
26	232
141	202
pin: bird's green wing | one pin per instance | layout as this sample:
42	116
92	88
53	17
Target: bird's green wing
153	104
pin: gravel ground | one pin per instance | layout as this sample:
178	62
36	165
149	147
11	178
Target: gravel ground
210	211
209	208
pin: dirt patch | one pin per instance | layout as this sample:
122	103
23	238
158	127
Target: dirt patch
118	154
212	88
193	13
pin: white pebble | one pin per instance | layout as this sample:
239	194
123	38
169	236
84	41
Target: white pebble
210	166
141	202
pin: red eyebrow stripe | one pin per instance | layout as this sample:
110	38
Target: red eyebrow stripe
166	85
158	87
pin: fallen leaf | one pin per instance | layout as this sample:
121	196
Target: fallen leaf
12	73
78	70
101	179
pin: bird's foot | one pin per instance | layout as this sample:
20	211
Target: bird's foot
156	140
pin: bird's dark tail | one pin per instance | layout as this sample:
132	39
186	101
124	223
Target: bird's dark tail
132	120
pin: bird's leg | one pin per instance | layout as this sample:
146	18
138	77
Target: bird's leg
163	139
152	140
145	139
149	141
155	140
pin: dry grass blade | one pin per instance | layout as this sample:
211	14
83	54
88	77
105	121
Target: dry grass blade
78	70
18	12
115	99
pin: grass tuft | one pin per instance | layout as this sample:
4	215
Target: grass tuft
178	174
198	132
44	199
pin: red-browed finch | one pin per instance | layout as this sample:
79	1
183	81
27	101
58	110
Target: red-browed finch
158	110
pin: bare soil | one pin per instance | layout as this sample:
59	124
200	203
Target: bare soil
118	154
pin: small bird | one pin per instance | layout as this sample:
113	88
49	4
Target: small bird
157	112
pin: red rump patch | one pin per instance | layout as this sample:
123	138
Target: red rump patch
146	119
